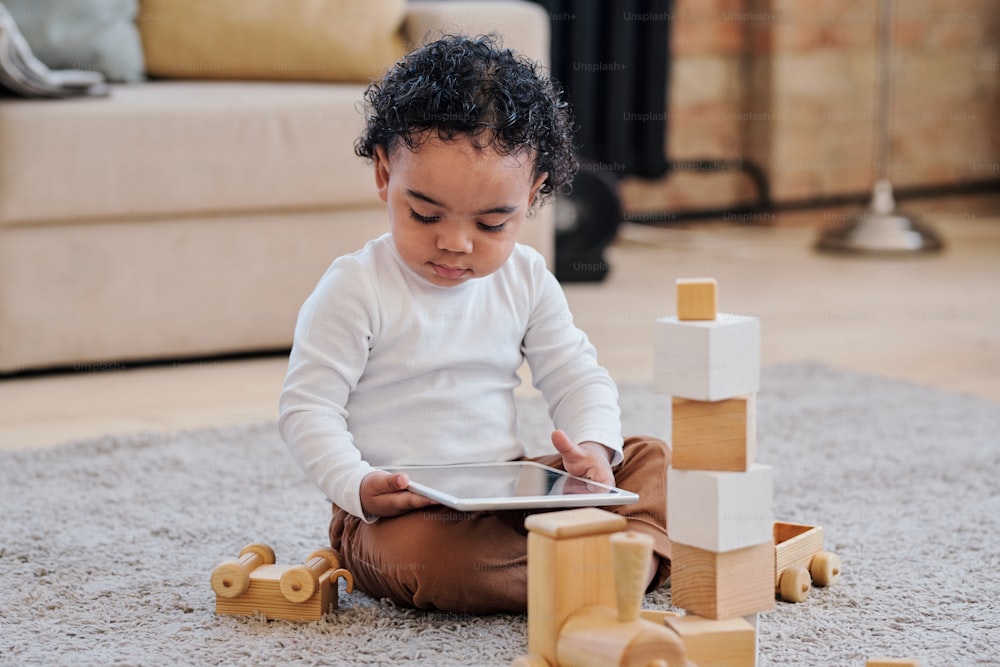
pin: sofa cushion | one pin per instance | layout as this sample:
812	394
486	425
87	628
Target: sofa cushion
315	40
174	147
96	35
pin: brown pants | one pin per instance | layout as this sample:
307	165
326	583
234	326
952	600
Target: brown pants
477	562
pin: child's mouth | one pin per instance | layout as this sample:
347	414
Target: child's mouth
449	272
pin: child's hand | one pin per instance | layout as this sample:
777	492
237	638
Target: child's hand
588	459
386	494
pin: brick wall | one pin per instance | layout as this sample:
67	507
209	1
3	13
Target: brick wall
791	85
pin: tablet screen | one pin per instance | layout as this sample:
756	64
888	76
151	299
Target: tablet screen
510	485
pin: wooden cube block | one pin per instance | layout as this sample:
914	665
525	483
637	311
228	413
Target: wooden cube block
722	585
892	662
707	360
721	511
696	298
721	643
714	435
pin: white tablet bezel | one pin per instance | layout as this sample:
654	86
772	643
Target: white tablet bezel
613	496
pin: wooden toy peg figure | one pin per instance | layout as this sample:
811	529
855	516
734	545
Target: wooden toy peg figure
408	349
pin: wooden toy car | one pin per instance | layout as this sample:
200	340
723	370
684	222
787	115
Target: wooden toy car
254	585
799	561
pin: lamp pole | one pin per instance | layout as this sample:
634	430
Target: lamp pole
881	228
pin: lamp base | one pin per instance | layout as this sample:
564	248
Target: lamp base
881	229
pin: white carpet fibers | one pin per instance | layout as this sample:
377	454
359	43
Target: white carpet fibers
106	546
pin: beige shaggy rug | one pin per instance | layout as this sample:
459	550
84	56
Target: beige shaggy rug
106	546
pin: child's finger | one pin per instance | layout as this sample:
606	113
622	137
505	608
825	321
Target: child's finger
398	482
387	494
564	445
416	501
398	503
380	483
400	498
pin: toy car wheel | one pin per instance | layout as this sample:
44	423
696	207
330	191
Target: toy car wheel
331	556
825	568
265	552
232	578
794	584
530	660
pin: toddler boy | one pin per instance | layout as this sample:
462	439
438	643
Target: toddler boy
407	352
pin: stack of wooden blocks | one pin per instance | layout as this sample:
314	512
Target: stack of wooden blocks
719	500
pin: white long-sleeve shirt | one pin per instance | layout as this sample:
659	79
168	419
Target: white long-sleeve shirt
390	369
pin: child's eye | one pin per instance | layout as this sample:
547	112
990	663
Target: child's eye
424	218
492	228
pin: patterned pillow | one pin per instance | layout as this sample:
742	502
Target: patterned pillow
95	35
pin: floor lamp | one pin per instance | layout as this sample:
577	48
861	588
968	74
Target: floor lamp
881	228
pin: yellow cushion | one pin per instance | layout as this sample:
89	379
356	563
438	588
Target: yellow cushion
305	40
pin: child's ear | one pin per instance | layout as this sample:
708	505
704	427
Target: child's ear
536	186
381	160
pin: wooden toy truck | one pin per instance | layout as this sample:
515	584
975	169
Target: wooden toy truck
255	585
800	561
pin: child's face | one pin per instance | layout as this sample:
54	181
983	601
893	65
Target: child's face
455	210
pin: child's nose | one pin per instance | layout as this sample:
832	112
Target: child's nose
454	238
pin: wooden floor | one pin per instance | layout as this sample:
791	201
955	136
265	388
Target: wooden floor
932	319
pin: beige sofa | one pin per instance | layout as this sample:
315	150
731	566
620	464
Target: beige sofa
190	218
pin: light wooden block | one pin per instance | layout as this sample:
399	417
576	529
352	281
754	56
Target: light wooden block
722	585
696	298
729	642
721	511
892	662
264	598
714	435
569	567
707	360
754	620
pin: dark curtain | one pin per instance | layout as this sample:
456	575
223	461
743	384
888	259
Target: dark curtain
611	57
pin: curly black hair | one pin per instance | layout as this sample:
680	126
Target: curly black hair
460	85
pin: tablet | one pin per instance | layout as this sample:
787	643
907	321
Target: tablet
509	485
